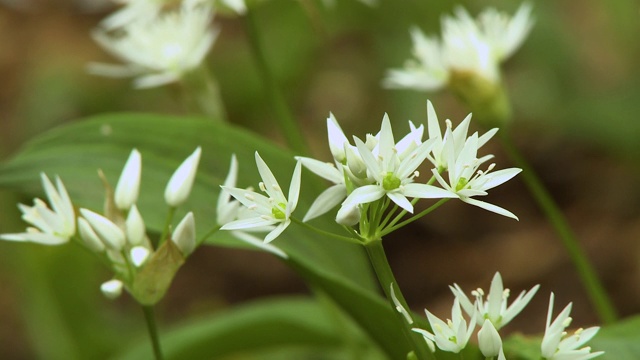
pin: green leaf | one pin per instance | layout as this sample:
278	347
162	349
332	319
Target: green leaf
253	328
75	152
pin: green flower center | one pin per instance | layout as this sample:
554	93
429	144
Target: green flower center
462	182
277	211
390	182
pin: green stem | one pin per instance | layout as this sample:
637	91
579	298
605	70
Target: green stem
208	234
597	294
380	264
326	233
167	226
393	226
153	330
283	116
202	94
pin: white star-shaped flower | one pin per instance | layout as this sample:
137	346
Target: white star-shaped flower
451	336
465	180
393	175
556	345
274	209
468	45
52	226
495	308
160	50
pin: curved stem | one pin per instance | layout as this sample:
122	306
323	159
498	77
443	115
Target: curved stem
202	94
326	233
597	294
386	279
152	327
167	226
283	116
392	227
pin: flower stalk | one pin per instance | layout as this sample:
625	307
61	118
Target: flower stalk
152	328
593	285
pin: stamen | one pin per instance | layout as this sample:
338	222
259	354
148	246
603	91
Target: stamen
449	124
252	207
249	197
262	187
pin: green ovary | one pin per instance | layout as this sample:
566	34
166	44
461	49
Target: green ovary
390	182
462	182
277	211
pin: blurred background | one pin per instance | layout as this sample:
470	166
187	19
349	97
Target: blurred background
575	87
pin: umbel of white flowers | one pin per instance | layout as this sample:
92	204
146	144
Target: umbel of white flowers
118	236
492	314
379	168
466	58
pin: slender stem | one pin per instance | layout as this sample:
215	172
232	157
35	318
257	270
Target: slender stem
392	228
283	116
597	294
167	226
208	234
202	94
152	327
380	264
326	233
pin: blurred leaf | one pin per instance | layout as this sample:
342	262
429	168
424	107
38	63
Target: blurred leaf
75	151
252	329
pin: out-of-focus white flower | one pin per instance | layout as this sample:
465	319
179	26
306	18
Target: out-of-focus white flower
139	254
489	340
128	187
393	175
109	233
112	288
465	180
52	226
458	136
467	46
274	209
495	308
181	182
158	50
556	345
451	336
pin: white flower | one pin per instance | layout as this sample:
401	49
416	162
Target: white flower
184	236
52	226
159	50
495	308
458	137
112	288
489	340
465	180
132	11
181	182
128	187
393	175
556	345
271	210
467	46
451	336
330	197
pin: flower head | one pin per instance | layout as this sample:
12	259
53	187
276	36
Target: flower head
556	345
495	307
51	226
160	49
468	46
273	209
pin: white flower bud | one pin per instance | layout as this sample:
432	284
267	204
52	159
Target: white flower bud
110	234
90	238
179	186
112	289
348	215
355	163
135	227
126	193
337	139
489	340
184	236
139	255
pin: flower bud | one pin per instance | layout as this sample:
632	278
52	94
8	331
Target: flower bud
184	236
337	139
135	227
128	187
110	234
489	340
348	215
112	288
90	238
179	186
139	255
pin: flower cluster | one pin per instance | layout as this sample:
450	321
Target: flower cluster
158	44
376	172
468	46
118	236
494	313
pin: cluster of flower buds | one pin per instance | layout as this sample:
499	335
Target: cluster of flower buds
493	313
118	235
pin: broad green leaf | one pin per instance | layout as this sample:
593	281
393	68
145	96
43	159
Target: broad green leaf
74	152
256	328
